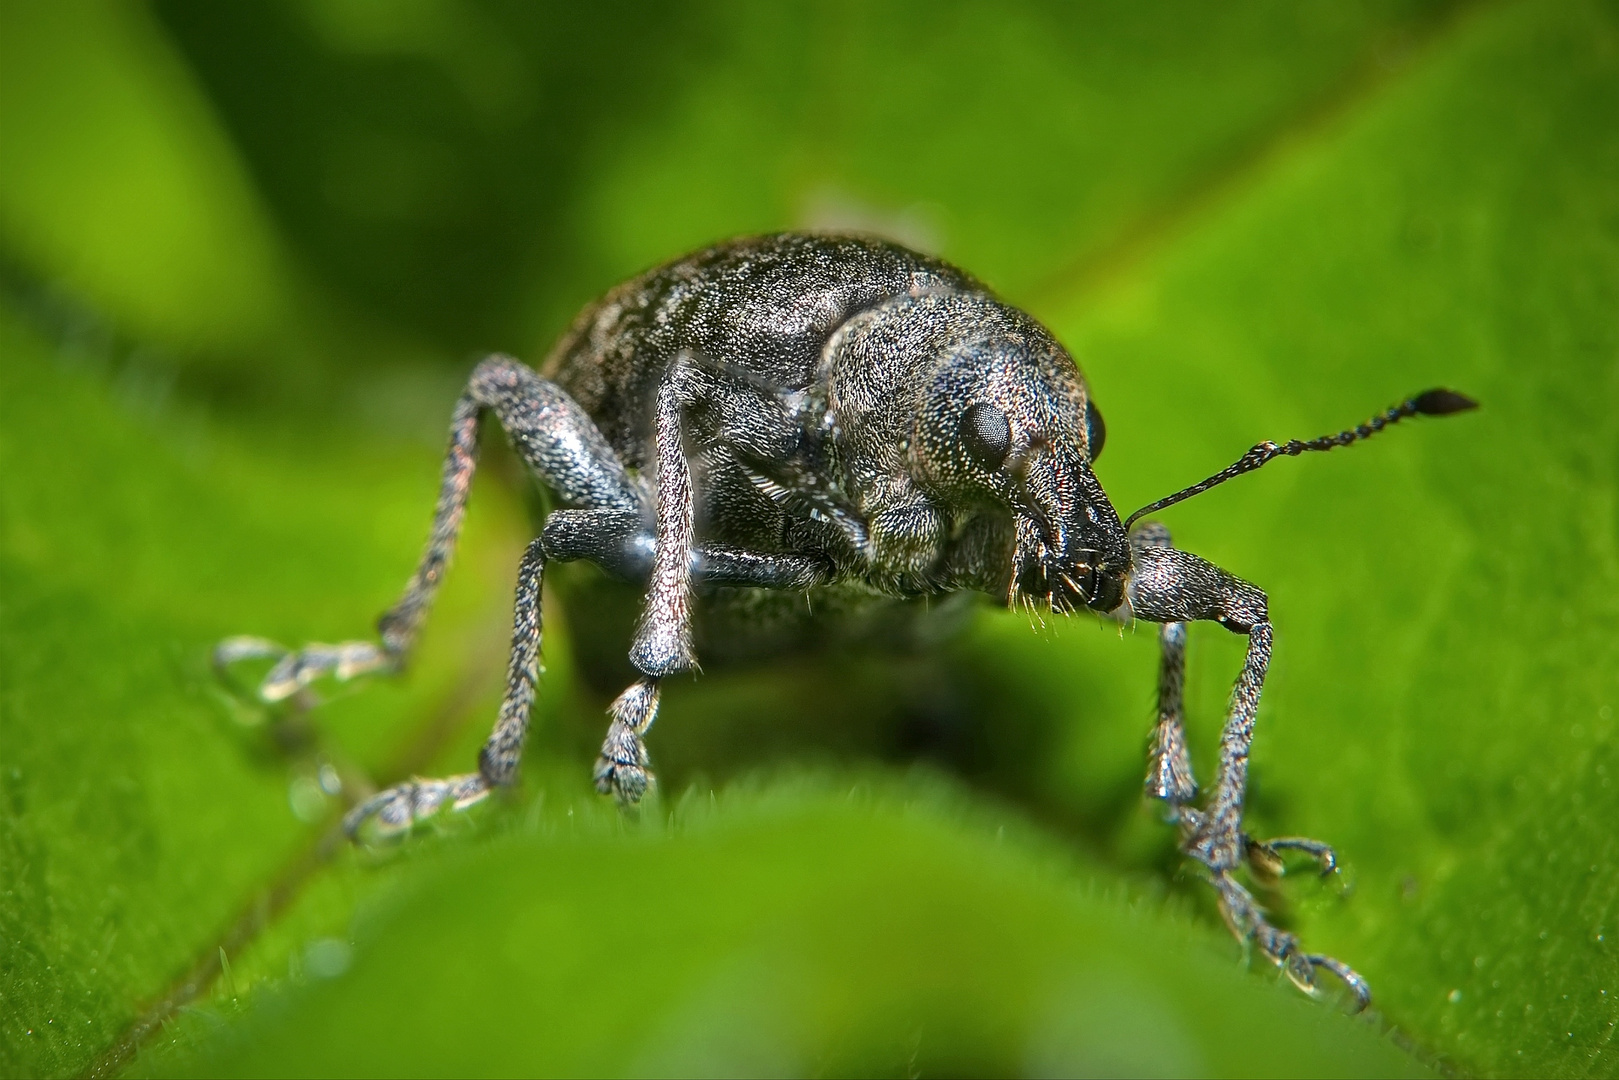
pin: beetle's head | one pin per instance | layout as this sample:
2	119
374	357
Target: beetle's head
1007	420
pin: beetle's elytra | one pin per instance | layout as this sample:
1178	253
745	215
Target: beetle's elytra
835	414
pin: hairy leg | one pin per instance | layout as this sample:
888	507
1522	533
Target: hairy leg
1169	768
1173	587
1169	765
399	806
555	439
1218	841
662	643
623	545
566	452
623	767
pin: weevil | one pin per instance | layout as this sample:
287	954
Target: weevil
838	416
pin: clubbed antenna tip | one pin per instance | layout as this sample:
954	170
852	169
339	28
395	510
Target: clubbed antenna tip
1442	402
1436	402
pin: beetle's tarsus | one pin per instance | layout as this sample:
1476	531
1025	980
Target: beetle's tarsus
1248	923
401	806
1216	846
627	783
622	768
296	669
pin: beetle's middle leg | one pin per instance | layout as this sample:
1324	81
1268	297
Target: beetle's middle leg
397	807
663	637
1173	587
564	449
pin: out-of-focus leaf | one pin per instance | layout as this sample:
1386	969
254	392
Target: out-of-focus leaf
117	184
808	930
1447	597
478	172
145	810
1295	214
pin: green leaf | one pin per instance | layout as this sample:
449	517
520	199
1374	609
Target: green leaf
798	930
144	808
1446	602
1261	224
117	183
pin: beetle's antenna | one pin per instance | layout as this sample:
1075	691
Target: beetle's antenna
1438	402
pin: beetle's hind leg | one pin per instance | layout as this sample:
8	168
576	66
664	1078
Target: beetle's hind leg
556	440
563	448
297	668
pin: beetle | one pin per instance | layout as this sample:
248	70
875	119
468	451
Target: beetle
839	416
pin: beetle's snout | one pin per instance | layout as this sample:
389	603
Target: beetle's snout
1072	549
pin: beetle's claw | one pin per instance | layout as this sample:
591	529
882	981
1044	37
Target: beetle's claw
1346	975
1301	968
1266	859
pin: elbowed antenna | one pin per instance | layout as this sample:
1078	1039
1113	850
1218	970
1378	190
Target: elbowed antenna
1438	402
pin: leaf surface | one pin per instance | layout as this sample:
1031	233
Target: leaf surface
1266	225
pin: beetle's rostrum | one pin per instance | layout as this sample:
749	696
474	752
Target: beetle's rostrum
839	416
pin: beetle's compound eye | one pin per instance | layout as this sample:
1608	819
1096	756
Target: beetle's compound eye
988	436
1095	430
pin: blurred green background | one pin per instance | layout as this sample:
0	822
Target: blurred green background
249	251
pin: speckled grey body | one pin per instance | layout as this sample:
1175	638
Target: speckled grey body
801	365
797	414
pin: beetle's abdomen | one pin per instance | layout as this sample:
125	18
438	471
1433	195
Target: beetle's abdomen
764	305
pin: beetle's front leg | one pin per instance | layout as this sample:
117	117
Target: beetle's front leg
1172	588
1169	765
662	643
1169	770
